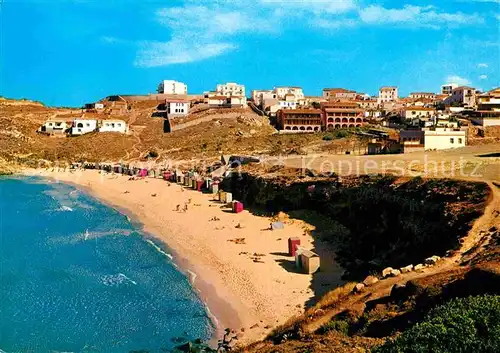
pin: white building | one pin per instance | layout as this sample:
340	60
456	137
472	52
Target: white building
489	100
288	105
172	87
442	138
177	107
388	94
83	126
283	91
230	89
114	126
417	112
448	88
462	95
55	126
259	96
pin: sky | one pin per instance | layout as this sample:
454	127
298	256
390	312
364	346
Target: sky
71	52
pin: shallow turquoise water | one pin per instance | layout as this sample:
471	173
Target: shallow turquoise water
77	276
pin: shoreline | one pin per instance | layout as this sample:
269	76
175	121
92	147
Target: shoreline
202	289
249	297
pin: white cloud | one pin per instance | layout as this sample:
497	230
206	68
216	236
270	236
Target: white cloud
201	29
198	32
461	81
154	54
483	77
482	65
420	16
315	6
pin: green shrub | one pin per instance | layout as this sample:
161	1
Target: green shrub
462	325
341	134
335	325
327	138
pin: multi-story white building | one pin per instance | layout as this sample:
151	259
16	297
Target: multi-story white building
114	126
282	91
177	107
388	94
172	87
463	95
230	89
448	88
83	126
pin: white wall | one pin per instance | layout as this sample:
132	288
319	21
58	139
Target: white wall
178	108
114	126
83	126
442	139
172	87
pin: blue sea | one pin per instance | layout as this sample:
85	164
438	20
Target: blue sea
78	276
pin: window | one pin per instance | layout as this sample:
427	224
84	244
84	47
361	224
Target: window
50	124
452	140
88	125
459	140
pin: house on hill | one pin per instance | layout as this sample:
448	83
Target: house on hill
114	125
177	107
55	126
83	126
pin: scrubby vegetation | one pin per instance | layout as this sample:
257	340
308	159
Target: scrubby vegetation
462	325
376	221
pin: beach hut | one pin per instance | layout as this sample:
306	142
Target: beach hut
199	185
293	244
229	197
180	179
308	261
222	196
214	188
237	207
143	173
277	225
194	183
187	181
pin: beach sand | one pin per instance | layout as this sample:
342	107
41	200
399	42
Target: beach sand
249	297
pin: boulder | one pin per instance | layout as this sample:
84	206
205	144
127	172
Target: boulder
431	260
419	267
395	273
370	281
406	269
358	288
386	272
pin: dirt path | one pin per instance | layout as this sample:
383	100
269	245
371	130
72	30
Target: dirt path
475	240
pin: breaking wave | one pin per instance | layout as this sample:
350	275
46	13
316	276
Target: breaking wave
116	280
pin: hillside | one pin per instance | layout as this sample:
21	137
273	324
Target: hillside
363	315
226	131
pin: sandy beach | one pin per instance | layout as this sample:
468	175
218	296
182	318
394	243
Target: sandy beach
249	294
